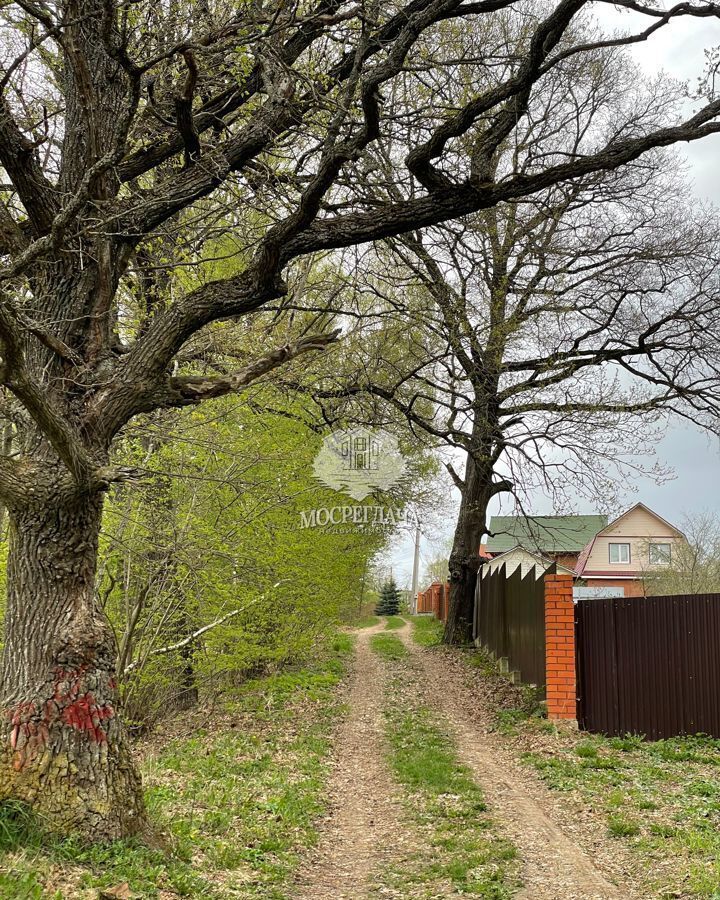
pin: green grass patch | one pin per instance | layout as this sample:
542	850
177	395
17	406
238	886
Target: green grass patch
619	826
388	646
662	798
507	720
18	827
366	622
461	853
481	660
239	801
424	758
427	630
394	622
24	886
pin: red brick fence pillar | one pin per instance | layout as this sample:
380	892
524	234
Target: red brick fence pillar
560	647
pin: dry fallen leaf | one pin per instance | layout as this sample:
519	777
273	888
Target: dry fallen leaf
117	892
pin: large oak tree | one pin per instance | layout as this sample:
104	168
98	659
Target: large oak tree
546	340
131	134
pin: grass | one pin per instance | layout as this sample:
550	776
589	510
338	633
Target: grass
619	826
238	801
481	660
388	646
427	630
458	849
394	622
528	706
462	852
366	622
662	799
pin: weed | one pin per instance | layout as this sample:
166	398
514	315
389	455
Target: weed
703	788
427	631
19	826
507	719
618	826
482	660
342	645
23	886
388	646
626	744
586	751
663	830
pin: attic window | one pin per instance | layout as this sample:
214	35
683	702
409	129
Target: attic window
619	553
660	554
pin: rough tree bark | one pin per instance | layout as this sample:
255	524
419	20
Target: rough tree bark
463	566
65	749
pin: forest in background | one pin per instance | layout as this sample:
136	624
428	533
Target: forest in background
205	571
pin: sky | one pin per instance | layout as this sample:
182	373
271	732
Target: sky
693	456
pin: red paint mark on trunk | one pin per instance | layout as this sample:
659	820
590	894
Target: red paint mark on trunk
69	704
84	714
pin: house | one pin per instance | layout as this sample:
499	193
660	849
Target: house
558	538
525	560
623	552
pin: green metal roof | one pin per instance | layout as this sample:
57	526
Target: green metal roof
544	534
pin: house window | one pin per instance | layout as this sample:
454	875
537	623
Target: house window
619	553
660	554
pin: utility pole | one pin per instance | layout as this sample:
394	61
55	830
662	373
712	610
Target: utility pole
362	586
415	572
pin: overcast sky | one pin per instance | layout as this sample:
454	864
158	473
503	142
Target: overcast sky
694	456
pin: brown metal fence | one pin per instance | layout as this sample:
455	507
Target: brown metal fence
510	621
649	665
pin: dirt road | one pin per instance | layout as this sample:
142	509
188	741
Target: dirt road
363	826
365	823
555	866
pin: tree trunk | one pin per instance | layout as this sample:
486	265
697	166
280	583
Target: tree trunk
459	625
187	694
465	555
64	749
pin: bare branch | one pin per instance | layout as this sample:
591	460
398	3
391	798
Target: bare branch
190	389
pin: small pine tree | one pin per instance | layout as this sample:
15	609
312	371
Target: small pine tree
389	602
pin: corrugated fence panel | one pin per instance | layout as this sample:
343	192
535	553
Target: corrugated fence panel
510	621
525	605
513	605
649	665
597	665
492	631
